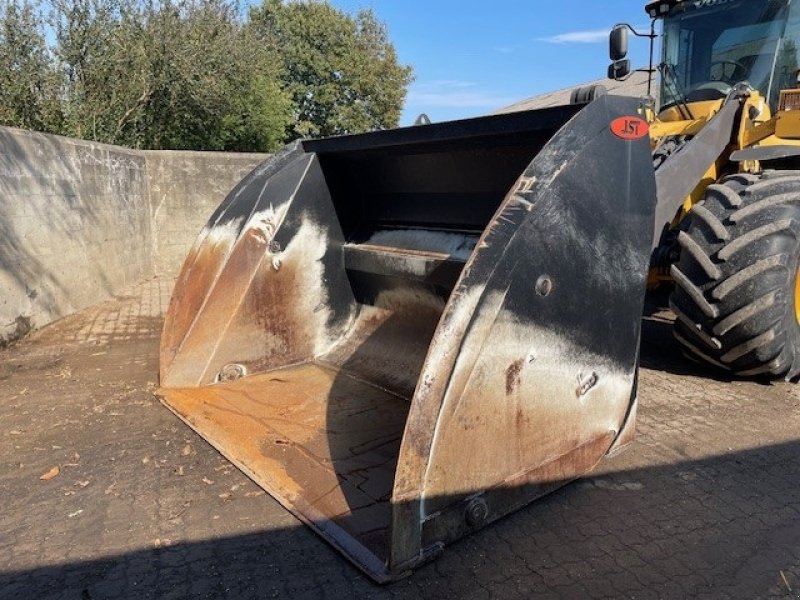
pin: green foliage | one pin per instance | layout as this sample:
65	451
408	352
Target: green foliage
29	83
342	73
190	74
177	75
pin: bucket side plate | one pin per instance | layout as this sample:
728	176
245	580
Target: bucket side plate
533	364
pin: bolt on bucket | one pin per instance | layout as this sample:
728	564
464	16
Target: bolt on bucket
405	335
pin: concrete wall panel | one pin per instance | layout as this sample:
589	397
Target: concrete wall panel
185	188
81	221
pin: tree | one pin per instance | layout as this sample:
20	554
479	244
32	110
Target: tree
341	72
87	34
28	82
192	74
170	74
213	85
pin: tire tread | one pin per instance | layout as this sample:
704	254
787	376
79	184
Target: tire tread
735	279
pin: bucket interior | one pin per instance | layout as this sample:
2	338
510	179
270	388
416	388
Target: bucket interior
323	437
412	205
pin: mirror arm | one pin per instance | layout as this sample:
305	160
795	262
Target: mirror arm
650	69
652	35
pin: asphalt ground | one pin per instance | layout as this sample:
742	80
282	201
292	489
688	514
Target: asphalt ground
105	494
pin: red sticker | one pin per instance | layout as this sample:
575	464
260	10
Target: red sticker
630	128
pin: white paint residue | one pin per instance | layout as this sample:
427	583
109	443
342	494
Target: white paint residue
242	342
454	323
455	245
304	256
443	352
416	266
264	222
226	233
547	390
405	300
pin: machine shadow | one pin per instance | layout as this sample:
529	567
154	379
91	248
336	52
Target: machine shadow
364	435
722	526
364	439
365	461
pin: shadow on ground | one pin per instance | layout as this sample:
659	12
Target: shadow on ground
727	526
705	504
660	351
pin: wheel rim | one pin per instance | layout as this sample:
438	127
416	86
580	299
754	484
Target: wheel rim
797	296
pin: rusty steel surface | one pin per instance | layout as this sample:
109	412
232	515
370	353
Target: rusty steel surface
230	304
400	355
321	442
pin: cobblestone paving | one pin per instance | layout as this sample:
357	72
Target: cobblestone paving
705	504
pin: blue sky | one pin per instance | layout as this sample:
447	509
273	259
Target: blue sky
473	57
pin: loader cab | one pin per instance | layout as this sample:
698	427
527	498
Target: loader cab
709	46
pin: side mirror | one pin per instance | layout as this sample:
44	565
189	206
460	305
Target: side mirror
619	69
618	43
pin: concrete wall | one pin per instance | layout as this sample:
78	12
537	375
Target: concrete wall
185	188
81	221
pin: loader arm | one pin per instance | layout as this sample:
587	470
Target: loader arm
680	174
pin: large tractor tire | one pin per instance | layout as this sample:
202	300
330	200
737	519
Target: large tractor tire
737	288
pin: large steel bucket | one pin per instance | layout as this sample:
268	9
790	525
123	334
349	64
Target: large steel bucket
405	335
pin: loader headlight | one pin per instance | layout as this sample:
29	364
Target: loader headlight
661	8
789	101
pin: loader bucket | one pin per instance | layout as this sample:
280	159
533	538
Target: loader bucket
404	335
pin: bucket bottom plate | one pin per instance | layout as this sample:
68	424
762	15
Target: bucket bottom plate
320	441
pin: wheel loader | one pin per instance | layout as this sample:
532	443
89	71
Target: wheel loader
405	335
728	229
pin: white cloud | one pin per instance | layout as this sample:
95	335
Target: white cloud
590	36
454	94
448	83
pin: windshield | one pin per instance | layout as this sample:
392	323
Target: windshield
709	45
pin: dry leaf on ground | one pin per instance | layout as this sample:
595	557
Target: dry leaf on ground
54	472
